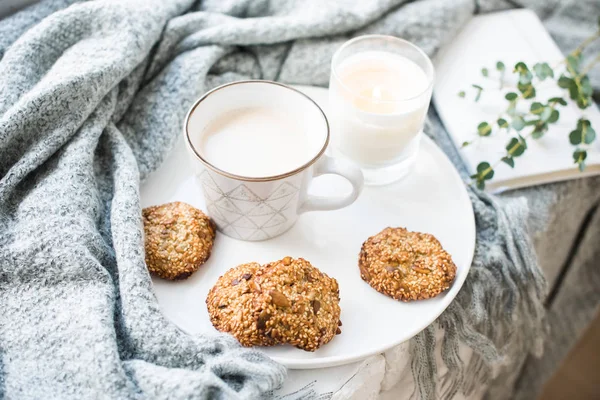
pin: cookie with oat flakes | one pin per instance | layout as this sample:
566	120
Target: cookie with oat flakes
406	265
283	302
178	239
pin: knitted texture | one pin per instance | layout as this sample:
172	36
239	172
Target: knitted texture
92	97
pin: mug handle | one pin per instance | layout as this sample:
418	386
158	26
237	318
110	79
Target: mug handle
343	168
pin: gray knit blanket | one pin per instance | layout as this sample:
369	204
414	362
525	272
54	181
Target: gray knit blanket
92	97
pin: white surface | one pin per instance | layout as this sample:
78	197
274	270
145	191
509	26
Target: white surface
433	200
479	44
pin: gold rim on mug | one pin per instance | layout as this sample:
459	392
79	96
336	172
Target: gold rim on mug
247	178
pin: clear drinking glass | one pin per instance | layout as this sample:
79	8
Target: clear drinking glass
379	93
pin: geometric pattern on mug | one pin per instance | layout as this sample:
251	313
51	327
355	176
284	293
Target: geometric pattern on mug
243	214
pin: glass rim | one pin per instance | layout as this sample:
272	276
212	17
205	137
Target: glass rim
385	37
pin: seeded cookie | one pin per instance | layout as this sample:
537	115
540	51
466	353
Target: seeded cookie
286	301
178	239
406	265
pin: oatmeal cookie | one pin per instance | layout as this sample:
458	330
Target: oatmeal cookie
406	265
286	301
178	239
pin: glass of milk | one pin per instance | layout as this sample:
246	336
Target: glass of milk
379	93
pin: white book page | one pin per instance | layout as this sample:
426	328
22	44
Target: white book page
508	36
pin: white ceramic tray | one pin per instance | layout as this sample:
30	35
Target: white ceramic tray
433	199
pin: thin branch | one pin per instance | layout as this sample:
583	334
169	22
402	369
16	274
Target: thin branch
509	153
588	67
586	43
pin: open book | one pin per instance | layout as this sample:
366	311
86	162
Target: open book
508	36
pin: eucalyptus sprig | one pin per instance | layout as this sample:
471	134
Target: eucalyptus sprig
533	124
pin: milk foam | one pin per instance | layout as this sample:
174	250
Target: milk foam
256	142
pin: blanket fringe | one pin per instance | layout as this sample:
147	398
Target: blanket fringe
499	312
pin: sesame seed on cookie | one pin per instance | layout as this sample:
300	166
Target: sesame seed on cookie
286	301
406	265
178	239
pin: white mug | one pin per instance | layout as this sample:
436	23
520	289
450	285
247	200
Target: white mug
259	208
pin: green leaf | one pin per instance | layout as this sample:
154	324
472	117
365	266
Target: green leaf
579	157
546	113
539	130
512	145
461	94
484	129
500	66
482	166
588	134
509	160
465	144
574	92
479	90
521	67
554	116
549	70
516	147
586	86
583	102
511	96
575	137
558	100
480	185
525	78
573	64
484	72
532	122
565	82
518	123
543	71
502	123
583	123
527	90
485	171
540	71
583	93
536	108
